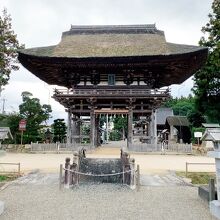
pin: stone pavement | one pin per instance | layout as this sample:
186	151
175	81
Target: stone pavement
38	178
162	180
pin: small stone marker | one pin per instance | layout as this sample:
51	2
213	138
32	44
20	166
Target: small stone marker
2	206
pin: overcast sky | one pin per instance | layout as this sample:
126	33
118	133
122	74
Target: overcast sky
41	22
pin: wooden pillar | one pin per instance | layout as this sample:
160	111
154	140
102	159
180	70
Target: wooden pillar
77	123
155	125
69	141
149	127
130	131
97	134
73	130
95	131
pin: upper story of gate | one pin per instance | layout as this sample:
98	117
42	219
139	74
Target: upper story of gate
129	56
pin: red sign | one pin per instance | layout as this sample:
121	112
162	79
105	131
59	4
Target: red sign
22	125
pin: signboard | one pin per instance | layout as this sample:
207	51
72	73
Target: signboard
143	117
197	134
22	125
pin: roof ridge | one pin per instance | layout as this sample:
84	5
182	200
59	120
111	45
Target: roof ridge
113	29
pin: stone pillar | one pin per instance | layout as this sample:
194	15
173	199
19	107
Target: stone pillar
171	133
130	131
153	127
67	173
73	129
215	204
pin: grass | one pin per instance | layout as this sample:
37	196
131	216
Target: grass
4	178
198	177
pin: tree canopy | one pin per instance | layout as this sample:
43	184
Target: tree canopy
59	130
8	48
181	106
35	114
207	80
185	106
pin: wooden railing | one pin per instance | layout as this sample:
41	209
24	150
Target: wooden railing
187	166
3	170
111	92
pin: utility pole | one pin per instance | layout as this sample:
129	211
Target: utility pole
3	105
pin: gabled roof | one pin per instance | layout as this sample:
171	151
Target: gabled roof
177	121
211	135
5	133
209	125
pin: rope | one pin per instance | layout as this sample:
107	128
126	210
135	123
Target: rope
98	175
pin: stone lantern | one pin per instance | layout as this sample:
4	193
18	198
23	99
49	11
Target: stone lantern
214	136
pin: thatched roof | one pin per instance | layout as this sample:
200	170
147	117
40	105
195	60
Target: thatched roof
141	49
111	41
177	121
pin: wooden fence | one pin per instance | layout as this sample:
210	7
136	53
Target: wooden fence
179	148
176	147
57	147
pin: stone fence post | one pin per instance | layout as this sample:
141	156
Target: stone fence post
67	173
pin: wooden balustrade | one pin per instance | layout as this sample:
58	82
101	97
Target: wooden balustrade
112	92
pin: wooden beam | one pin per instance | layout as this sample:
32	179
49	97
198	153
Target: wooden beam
111	111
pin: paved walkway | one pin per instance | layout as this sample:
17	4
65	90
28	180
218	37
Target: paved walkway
162	180
38	178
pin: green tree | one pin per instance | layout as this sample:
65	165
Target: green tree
8	48
185	106
121	125
181	106
13	122
195	118
35	114
59	130
207	80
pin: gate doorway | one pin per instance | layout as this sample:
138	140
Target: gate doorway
113	127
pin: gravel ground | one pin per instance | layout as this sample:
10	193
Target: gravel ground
102	201
148	163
